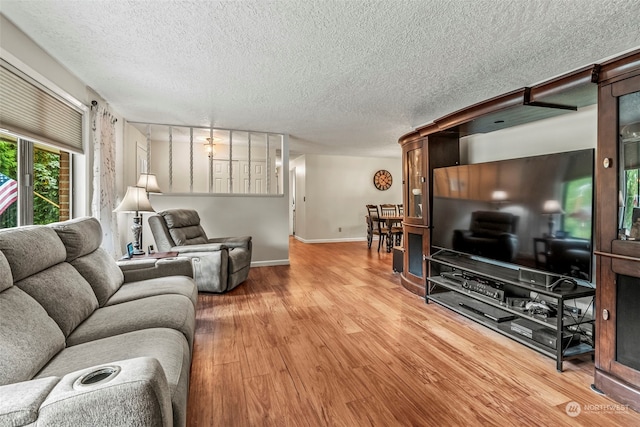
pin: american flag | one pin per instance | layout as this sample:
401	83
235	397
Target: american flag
8	192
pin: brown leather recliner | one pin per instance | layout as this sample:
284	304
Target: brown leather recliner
219	264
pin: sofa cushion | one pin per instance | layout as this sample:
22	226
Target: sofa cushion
29	338
169	347
102	273
6	278
80	236
31	249
181	285
64	294
187	236
161	311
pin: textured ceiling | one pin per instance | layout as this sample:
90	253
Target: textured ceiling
341	77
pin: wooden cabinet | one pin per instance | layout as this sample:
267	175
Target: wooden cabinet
617	371
420	157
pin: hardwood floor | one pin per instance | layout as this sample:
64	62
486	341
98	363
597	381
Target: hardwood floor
334	339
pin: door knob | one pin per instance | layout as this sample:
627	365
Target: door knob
605	314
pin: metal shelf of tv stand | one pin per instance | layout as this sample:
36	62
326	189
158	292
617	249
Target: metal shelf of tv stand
550	322
504	329
504	275
509	276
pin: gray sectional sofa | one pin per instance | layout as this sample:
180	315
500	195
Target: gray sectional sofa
83	343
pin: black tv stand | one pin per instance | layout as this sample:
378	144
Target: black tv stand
555	320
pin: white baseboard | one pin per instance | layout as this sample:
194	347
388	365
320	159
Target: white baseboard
348	239
270	263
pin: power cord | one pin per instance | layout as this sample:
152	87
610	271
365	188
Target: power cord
561	281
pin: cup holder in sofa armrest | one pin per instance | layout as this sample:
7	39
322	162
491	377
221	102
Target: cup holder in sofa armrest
99	376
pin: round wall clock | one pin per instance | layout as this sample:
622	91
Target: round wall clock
382	180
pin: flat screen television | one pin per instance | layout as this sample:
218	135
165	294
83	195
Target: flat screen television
534	212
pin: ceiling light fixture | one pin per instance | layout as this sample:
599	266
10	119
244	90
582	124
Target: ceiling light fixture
210	147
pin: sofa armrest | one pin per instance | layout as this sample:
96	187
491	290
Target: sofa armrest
144	269
138	394
210	269
20	402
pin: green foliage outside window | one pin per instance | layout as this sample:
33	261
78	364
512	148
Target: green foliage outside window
633	194
46	197
9	167
46	171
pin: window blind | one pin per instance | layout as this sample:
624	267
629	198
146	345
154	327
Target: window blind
30	111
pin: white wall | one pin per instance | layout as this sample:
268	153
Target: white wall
333	192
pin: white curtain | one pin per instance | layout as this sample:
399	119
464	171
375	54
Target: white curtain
104	177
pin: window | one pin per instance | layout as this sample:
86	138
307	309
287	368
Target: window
35	182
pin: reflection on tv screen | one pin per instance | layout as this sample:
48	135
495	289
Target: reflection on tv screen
535	212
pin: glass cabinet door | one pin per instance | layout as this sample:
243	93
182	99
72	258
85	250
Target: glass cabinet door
414	183
629	176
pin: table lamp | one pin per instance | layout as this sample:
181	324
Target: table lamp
552	207
149	182
135	200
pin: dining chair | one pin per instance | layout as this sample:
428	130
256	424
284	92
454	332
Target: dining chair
388	209
375	227
400	208
395	229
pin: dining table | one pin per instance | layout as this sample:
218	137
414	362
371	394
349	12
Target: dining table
389	221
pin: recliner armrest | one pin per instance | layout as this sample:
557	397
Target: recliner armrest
204	247
233	242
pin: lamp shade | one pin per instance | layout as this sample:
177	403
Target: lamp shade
135	200
552	207
499	196
149	182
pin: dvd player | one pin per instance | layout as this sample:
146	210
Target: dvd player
543	335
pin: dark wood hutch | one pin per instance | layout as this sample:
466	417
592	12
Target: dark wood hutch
617	332
617	256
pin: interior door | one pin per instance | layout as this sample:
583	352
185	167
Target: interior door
223	176
292	212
